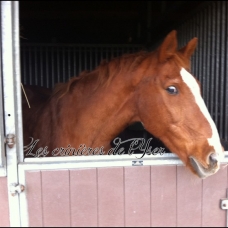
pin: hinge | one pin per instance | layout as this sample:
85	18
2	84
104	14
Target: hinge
10	140
16	188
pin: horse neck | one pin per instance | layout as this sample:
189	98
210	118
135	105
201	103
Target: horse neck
97	116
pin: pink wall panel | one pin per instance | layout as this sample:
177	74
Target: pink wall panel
189	198
122	196
137	196
56	198
111	197
4	205
214	188
163	196
83	197
33	191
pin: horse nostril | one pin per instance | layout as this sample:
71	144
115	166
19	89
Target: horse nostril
213	158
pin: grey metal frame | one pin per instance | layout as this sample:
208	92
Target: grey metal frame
12	98
2	147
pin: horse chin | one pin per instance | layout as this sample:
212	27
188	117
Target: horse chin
201	171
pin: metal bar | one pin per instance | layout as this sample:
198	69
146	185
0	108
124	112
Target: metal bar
181	31
41	67
69	65
52	68
194	55
106	54
85	59
2	146
47	67
58	66
191	36
17	80
226	82
196	51
212	64
200	62
80	60
217	67
96	57
203	57
90	59
222	67
30	65
112	52
148	21
35	66
24	72
63	61
74	62
99	161
207	53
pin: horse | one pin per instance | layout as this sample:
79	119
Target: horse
38	95
154	88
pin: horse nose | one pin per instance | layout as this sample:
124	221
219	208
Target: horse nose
213	159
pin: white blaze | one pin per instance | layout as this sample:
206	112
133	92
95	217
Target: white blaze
195	89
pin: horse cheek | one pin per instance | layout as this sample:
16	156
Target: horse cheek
152	118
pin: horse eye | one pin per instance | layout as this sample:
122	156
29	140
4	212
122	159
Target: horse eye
172	90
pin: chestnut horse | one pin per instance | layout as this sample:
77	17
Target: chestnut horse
154	88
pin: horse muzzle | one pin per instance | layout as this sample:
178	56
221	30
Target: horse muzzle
212	167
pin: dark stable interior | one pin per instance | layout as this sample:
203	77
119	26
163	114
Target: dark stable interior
135	139
119	22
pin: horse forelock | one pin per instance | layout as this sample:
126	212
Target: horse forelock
180	60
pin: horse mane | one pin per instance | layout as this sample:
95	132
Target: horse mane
61	89
104	73
127	62
107	70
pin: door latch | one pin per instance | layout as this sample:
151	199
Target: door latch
16	188
137	163
224	206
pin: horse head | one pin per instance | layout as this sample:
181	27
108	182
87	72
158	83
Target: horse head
170	106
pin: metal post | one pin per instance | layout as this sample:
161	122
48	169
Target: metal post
12	99
148	22
2	146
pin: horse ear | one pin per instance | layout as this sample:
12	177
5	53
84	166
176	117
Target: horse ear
168	47
188	50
